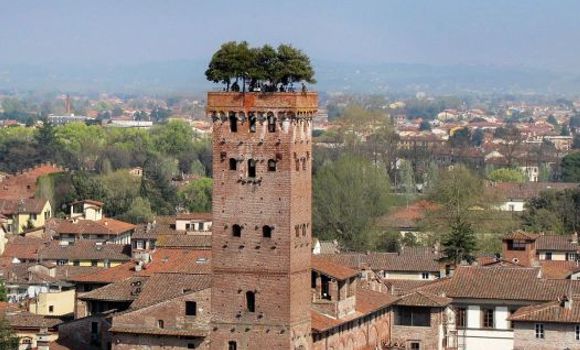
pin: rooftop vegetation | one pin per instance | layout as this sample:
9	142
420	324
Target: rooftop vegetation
243	68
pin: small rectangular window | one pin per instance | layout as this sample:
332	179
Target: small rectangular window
577	332
190	308
271	123
252	122
487	318
425	275
548	256
232	345
516	245
160	324
460	317
539	331
50	308
415	346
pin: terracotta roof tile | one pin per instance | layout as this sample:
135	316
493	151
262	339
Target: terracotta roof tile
411	259
184	241
178	260
24	248
553	311
521	235
112	274
557	243
507	283
195	216
558	269
125	290
27	320
526	190
10	207
78	227
188	332
421	298
401	286
367	301
85	250
164	286
331	269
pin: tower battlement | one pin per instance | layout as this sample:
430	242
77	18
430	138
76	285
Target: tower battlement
297	102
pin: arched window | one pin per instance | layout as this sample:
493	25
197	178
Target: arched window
271	165
232	345
267	231
271	123
237	230
251	168
250	301
233	122
233	164
252	119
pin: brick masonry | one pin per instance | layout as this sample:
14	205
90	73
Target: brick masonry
557	336
275	268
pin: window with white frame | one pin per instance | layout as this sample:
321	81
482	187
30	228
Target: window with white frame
539	331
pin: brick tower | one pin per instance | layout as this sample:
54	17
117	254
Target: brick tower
261	240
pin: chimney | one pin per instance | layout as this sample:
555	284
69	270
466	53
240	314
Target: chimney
43	341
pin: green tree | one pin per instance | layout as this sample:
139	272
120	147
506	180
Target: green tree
458	190
139	212
196	196
3	293
460	243
156	185
407	179
506	175
348	195
555	211
8	338
571	167
235	61
121	190
87	186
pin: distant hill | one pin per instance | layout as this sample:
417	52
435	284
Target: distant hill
188	75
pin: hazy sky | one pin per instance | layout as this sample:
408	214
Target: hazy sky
543	33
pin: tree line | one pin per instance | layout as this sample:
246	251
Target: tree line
99	160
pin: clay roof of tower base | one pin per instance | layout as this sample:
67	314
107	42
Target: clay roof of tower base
367	302
190	332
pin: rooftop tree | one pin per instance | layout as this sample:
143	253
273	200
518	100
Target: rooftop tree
268	68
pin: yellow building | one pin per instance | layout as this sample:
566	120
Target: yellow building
57	303
24	214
